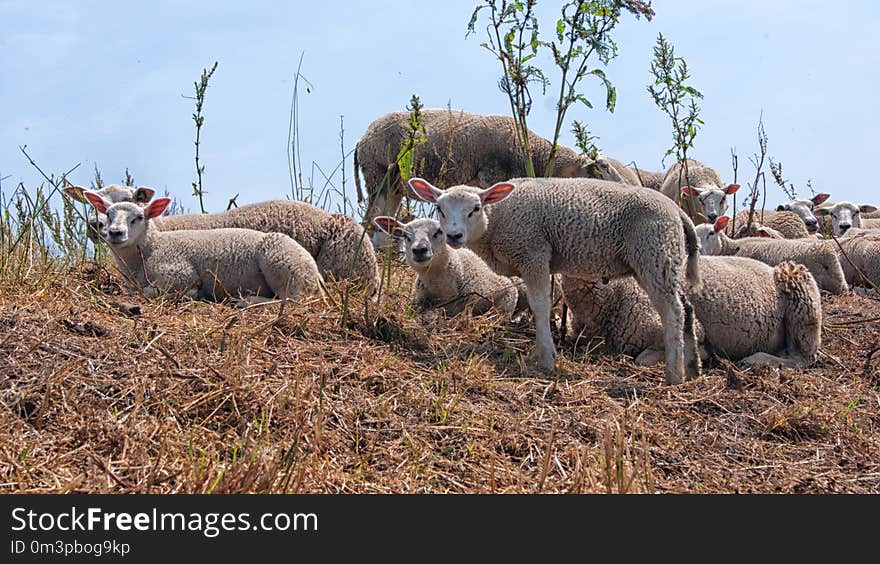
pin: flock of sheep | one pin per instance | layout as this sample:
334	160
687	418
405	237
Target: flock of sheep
647	262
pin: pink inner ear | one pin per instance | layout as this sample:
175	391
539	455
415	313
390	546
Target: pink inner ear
690	191
386	224
721	223
867	208
731	189
143	195
497	192
764	233
820	198
97	201
76	192
423	190
157	207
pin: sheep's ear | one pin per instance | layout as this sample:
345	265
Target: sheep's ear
867	208
782	207
762	232
731	188
820	199
690	191
76	192
390	225
496	193
157	207
822	211
720	223
143	195
97	201
424	190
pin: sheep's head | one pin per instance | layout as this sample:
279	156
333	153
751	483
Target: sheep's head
804	210
97	222
461	208
126	221
424	239
712	199
710	235
845	215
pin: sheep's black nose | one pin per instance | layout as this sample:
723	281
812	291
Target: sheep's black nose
712	217
844	226
811	221
115	232
419	251
454	237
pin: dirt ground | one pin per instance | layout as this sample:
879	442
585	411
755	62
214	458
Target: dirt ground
104	391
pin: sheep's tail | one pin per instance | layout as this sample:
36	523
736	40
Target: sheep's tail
803	309
357	176
693	250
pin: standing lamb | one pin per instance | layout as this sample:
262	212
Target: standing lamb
701	191
819	258
449	279
846	215
588	229
213	264
96	221
456	148
748	311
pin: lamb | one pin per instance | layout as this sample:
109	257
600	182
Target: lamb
590	229
204	264
97	222
457	148
846	215
449	279
804	210
747	311
708	195
817	256
787	223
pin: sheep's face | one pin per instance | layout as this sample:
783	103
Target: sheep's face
845	216
713	200
126	222
461	208
804	210
710	236
424	239
97	222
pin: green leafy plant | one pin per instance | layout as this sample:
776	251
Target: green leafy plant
201	88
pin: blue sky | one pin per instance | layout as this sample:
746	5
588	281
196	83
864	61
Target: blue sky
102	83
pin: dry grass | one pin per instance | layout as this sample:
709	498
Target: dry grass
103	391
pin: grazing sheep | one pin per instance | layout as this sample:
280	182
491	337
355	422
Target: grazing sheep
804	210
456	148
859	250
817	256
449	279
787	223
748	311
96	221
205	264
706	195
846	215
591	229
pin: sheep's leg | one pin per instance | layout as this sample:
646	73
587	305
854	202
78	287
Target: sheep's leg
772	361
671	311
537	282
689	336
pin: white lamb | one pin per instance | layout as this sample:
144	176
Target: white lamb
211	264
591	229
96	221
819	258
804	210
846	215
449	279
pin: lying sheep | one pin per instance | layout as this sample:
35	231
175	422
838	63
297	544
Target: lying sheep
757	230
449	279
204	264
747	311
804	210
859	250
614	170
96	221
588	229
846	215
456	148
819	258
787	223
702	191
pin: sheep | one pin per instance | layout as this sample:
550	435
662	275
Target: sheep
757	230
804	210
204	264
449	279
649	179
455	148
97	222
747	311
817	256
859	250
583	228
787	223
702	194
614	170
846	215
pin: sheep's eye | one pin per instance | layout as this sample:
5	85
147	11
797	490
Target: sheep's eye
438	233
475	210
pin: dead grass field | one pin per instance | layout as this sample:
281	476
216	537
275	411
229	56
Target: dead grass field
99	396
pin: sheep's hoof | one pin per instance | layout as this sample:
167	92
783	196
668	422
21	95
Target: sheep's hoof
543	361
650	357
760	360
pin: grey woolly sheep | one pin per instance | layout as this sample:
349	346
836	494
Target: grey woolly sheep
449	279
590	229
649	179
819	258
617	171
455	148
846	215
787	223
804	210
859	250
205	264
97	222
702	190
748	311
